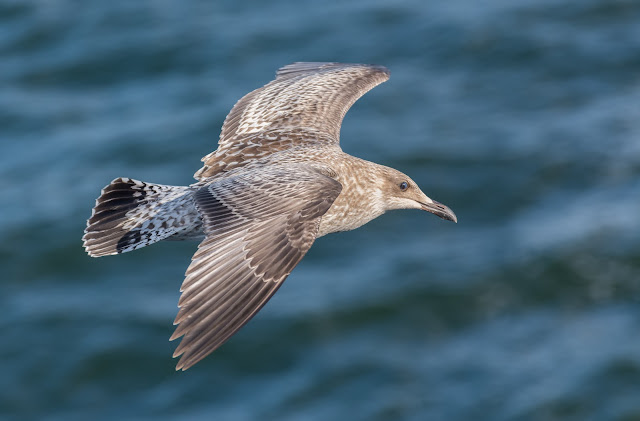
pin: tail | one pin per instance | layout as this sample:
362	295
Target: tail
131	214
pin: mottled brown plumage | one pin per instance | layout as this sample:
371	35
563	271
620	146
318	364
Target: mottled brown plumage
277	181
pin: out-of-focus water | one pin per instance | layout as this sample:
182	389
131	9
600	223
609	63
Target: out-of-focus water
522	116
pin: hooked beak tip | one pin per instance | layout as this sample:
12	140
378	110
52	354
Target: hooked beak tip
440	210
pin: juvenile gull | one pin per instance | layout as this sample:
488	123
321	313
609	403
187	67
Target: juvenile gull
277	181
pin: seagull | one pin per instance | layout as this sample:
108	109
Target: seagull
277	181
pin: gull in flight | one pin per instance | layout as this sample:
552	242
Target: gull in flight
277	181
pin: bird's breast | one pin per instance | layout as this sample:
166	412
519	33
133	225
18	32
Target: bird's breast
347	213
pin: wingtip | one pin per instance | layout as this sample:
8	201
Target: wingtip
175	336
184	365
383	69
310	66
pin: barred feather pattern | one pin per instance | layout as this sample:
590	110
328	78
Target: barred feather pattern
130	214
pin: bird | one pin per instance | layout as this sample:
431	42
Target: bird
277	181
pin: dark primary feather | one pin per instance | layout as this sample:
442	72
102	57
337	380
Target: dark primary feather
259	225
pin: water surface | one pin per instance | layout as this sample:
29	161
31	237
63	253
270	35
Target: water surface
523	117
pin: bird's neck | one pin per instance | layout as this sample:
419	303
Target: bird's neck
360	200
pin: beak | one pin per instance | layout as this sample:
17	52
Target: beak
440	210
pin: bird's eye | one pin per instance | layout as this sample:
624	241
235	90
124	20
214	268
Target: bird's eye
404	186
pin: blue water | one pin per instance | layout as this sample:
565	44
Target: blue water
522	116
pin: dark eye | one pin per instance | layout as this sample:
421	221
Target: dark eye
404	185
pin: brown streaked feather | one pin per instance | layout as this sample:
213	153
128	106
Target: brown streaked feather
306	98
259	225
314	96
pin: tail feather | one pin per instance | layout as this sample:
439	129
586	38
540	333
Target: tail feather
130	214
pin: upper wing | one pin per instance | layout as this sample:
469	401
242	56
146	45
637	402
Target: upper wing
306	98
259	224
314	96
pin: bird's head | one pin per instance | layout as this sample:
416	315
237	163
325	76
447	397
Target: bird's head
400	192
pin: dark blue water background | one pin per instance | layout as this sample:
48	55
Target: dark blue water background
522	116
